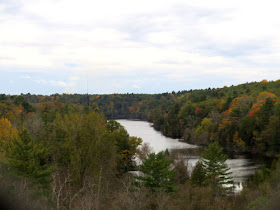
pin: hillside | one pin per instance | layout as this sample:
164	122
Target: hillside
70	155
241	118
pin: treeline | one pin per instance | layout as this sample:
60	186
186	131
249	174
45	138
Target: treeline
240	118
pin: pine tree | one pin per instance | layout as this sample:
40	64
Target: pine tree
198	175
266	111
29	160
157	173
216	170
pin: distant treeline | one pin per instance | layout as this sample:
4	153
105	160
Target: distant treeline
241	118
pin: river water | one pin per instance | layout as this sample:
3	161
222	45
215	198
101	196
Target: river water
241	166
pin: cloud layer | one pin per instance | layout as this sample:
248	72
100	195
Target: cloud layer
137	46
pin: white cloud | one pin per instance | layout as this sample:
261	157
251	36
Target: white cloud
40	81
58	83
136	86
165	38
169	37
55	83
74	78
26	77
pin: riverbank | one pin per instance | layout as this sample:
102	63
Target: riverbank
242	166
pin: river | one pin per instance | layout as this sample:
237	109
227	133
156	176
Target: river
242	166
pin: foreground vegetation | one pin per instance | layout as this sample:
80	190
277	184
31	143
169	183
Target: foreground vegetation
60	152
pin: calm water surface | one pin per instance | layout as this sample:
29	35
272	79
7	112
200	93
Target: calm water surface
241	166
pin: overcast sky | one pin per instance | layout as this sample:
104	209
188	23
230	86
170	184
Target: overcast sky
147	46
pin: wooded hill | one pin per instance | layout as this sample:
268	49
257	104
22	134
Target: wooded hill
62	149
241	118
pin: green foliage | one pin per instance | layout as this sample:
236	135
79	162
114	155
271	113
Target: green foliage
113	125
247	107
199	130
266	111
70	132
206	123
171	126
259	203
126	146
157	175
18	100
260	176
28	107
83	144
198	177
265	185
3	97
216	170
181	171
29	160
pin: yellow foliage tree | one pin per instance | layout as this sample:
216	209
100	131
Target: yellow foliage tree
238	141
206	123
264	95
7	132
225	124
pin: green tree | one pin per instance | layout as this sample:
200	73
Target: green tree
198	177
82	143
157	173
3	97
216	169
28	107
126	146
29	160
113	125
181	171
266	111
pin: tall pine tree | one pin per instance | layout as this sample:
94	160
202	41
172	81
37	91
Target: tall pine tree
157	173
216	170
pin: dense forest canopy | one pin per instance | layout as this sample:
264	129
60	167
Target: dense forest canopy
68	149
241	118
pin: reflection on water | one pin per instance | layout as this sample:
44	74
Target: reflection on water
241	166
156	140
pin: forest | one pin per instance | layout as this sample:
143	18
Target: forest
65	151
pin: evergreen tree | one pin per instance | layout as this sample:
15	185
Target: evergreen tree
157	173
266	111
29	160
216	170
198	175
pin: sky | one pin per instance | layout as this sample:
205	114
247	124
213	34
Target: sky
128	46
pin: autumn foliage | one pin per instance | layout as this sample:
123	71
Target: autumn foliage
251	113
